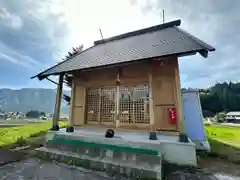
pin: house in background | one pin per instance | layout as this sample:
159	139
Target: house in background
129	81
2	115
233	117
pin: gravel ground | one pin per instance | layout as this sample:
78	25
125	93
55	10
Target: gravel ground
36	169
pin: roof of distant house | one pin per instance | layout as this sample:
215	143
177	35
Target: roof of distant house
156	41
233	113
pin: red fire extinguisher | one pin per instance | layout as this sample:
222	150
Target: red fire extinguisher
172	114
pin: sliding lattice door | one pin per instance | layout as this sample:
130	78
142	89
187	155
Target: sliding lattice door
101	105
134	106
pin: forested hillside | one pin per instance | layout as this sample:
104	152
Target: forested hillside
24	100
220	97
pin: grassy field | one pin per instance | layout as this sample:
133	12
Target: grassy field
227	134
224	141
11	135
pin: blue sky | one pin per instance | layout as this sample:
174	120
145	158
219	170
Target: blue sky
35	34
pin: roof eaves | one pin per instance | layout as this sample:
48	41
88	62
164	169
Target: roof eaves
41	75
206	47
187	53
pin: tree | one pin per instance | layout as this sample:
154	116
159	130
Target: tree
221	97
42	114
67	98
68	79
207	113
34	114
220	117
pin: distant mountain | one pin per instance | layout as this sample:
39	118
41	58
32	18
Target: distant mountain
24	100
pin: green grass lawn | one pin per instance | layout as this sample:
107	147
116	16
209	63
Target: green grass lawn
224	141
227	134
11	135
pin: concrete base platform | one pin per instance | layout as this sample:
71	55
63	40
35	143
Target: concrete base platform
129	154
171	149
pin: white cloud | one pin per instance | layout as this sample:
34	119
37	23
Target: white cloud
4	56
61	24
215	23
10	19
9	54
85	18
39	38
208	22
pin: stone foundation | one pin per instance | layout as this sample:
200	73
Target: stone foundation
129	161
129	154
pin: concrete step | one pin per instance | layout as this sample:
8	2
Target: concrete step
93	149
137	168
170	149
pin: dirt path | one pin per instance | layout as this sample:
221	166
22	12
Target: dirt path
32	168
216	165
37	169
7	156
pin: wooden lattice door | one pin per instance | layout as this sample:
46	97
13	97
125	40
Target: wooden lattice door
134	106
133	109
107	105
101	103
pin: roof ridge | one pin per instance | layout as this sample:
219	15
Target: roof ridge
139	32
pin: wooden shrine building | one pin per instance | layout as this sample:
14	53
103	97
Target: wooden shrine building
128	81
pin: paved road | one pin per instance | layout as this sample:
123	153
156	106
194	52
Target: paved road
231	124
36	169
11	125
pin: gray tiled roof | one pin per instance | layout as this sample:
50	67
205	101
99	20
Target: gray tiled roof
162	40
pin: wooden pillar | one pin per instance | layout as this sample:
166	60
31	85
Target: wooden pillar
153	135
55	126
179	107
99	106
145	108
117	115
70	127
151	113
133	107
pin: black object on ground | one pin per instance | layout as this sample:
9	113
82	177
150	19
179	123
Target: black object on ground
55	128
109	133
70	129
183	138
153	136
